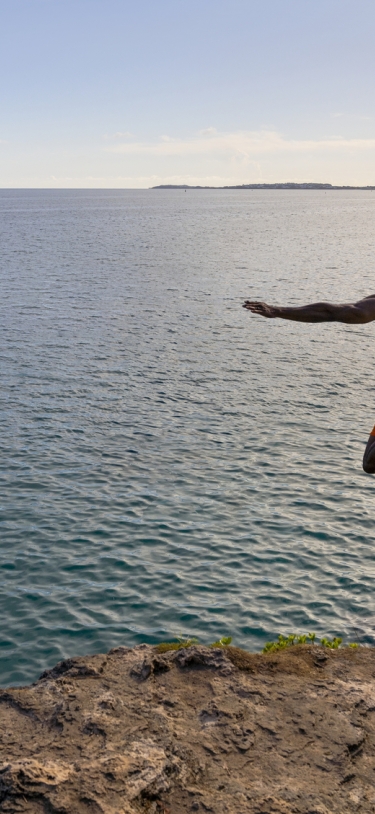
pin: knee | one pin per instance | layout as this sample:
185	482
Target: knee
369	464
369	456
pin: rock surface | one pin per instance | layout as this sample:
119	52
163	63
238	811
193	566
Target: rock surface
199	729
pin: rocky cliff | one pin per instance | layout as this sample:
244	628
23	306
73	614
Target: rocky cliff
198	729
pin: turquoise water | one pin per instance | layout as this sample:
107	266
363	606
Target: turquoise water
171	464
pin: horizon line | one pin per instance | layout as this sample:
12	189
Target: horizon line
288	185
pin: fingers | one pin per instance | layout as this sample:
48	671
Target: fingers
255	307
260	308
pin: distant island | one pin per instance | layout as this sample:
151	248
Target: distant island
288	185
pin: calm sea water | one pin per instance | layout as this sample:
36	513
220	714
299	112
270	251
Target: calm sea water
171	464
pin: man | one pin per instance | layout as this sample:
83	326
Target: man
356	313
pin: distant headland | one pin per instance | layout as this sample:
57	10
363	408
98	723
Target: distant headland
288	185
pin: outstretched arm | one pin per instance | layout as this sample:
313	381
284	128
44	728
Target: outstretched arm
352	313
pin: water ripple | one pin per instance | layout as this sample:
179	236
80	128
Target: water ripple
170	464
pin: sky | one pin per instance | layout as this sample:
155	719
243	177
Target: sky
134	93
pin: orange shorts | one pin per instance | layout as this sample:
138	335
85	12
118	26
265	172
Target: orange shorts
372	432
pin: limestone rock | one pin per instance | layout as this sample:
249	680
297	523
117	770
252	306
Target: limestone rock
197	729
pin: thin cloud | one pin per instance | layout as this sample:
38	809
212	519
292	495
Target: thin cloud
209	131
245	144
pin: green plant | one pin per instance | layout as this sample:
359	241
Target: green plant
183	642
333	644
288	641
270	647
310	638
223	642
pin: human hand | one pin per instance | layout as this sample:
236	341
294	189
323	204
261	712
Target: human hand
261	308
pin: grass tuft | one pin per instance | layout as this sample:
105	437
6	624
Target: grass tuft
270	647
182	642
225	641
288	641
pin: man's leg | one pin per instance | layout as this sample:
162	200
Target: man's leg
369	456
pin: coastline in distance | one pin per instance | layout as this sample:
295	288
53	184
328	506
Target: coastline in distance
288	185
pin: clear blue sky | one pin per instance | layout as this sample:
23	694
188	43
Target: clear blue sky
112	93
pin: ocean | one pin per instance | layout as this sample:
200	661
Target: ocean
172	465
